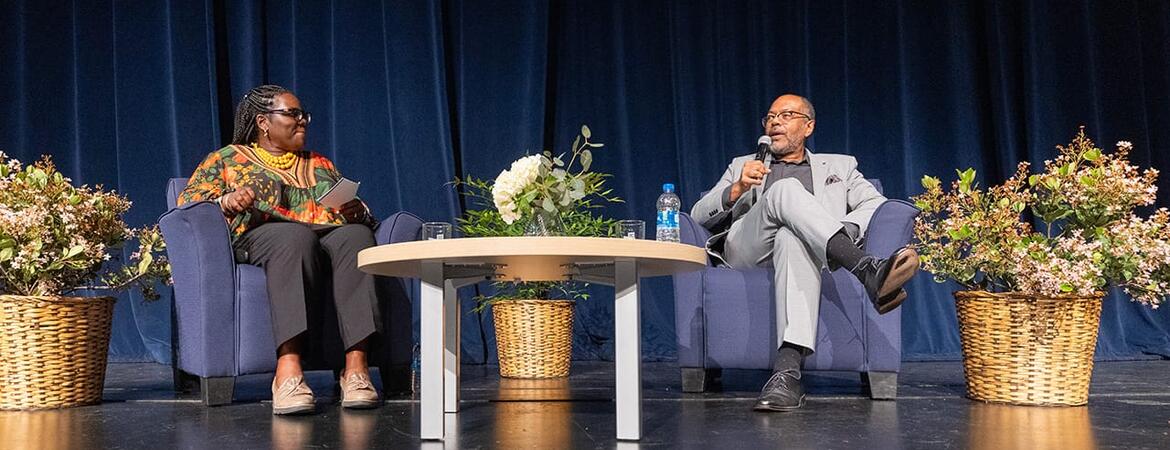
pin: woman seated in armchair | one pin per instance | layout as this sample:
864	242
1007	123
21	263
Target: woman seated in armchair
267	186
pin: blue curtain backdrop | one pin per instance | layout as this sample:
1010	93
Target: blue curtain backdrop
408	95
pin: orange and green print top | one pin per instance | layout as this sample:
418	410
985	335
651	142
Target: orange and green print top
281	195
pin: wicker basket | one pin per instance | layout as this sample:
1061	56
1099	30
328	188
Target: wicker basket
534	338
53	350
1028	350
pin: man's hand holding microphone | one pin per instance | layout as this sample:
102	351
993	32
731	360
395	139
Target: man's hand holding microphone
754	171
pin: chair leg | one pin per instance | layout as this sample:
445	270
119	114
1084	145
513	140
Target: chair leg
881	385
395	378
217	391
183	382
698	379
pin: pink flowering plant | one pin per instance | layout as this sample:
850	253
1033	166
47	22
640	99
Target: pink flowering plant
55	237
1090	233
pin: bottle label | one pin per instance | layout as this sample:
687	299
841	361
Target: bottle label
668	219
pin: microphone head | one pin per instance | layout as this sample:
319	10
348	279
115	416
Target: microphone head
764	140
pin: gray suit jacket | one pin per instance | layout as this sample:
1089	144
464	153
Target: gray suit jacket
840	188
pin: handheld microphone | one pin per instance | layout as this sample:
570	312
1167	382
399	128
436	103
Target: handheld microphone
763	144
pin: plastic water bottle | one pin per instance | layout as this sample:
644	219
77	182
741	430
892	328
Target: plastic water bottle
668	205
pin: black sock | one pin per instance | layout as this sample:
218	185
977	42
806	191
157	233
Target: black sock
842	251
790	357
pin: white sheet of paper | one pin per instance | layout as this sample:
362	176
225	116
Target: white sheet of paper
341	193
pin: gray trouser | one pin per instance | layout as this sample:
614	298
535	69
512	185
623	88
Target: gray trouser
787	229
300	263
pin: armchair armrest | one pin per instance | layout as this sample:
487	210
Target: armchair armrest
689	318
203	270
401	318
401	226
890	228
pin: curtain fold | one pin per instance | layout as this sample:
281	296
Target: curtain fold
407	95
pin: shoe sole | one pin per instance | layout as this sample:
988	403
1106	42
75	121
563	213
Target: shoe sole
891	304
358	404
770	408
905	266
294	410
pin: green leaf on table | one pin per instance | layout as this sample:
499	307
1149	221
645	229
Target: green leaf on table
6	254
548	205
559	174
1092	155
586	160
1066	287
1033	180
585	131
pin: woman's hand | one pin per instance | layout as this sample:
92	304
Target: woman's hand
355	211
237	201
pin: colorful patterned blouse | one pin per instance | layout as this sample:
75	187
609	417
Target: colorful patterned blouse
281	195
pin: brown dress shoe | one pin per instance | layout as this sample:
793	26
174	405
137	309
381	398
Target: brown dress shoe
293	396
357	391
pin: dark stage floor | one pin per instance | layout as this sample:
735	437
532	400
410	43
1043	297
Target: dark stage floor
1129	408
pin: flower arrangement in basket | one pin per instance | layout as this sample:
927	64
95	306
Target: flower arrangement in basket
1029	317
539	195
55	240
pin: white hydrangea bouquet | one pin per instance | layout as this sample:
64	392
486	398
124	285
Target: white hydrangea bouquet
1091	235
55	237
540	195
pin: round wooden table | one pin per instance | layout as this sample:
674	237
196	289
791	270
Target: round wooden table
444	265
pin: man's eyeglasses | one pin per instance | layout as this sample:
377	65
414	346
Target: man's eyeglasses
296	113
784	116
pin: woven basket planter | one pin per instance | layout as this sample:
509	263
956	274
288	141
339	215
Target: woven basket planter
1028	350
53	351
534	338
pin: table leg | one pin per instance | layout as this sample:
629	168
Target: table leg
627	350
431	352
451	320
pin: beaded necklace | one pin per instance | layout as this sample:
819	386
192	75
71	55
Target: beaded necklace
282	162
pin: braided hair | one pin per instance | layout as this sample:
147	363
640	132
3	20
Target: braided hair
255	102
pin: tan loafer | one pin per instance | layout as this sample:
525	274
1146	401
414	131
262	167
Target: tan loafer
357	391
293	396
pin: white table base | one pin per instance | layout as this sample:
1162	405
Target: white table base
440	332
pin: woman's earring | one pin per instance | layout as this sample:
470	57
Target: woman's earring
265	133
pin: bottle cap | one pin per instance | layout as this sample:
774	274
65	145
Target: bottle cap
668	187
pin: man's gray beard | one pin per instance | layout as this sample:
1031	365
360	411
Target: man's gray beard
783	151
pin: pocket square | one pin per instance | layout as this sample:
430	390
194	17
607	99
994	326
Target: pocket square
832	179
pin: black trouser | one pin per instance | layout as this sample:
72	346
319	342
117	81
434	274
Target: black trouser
299	263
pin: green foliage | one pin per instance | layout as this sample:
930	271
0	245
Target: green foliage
55	237
1086	200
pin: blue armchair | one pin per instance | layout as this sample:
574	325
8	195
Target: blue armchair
221	327
725	318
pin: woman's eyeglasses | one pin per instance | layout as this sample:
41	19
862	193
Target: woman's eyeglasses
296	113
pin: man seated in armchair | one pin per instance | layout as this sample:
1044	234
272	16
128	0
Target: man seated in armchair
798	212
